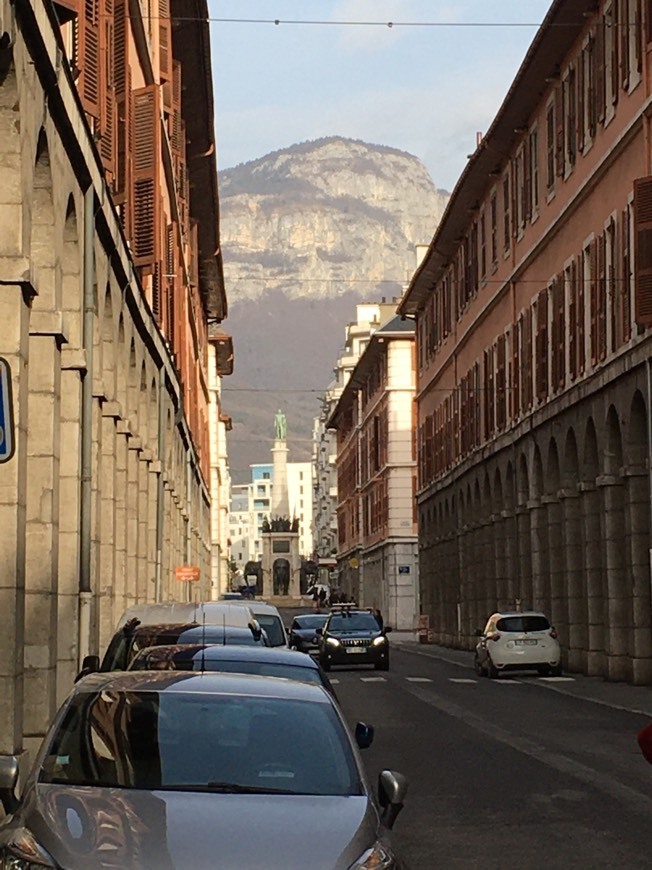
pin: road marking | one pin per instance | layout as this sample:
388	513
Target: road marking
558	679
373	679
508	682
418	679
334	682
460	680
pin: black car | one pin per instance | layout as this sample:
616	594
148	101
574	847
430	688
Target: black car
352	636
303	631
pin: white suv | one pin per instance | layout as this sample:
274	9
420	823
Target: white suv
517	641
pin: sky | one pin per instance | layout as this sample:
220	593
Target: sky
427	85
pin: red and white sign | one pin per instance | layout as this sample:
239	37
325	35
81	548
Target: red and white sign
187	573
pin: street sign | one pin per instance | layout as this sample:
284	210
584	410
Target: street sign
403	569
187	573
7	442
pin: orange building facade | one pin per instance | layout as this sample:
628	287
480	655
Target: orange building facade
533	310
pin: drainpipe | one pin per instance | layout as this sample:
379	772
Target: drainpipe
85	593
188	558
160	492
649	460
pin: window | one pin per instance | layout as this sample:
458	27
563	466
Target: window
483	247
506	214
550	147
570	118
520	190
533	153
493	210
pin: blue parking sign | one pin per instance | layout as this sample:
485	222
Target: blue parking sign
7	441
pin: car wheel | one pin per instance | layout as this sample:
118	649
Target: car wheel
382	666
492	671
477	667
556	671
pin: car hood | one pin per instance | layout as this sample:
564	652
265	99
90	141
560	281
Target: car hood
84	828
367	634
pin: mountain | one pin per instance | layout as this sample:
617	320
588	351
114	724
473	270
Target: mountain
306	233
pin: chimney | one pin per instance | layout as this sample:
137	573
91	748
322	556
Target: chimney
421	253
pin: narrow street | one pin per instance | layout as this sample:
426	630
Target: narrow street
515	773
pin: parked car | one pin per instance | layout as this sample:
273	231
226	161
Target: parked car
270	619
517	641
352	636
303	631
177	616
145	770
265	661
131	639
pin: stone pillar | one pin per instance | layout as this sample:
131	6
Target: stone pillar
498	534
595	662
73	362
511	557
133	592
572	546
558	612
539	549
42	534
618	575
488	568
107	591
13	500
145	588
524	591
280	498
637	512
122	597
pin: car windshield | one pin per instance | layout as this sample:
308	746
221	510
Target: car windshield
523	623
201	742
353	622
312	621
274	628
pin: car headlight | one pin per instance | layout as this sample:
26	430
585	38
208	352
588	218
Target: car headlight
377	858
333	641
20	851
379	641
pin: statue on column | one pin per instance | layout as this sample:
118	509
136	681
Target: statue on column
281	426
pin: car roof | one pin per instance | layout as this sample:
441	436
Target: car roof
232	653
178	612
257	606
207	682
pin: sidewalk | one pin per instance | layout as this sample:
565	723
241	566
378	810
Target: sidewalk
619	696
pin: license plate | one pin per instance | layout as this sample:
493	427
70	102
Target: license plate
527	642
357	649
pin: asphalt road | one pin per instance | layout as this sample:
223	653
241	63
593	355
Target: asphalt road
508	774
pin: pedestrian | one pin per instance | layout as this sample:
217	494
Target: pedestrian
379	618
315	598
322	597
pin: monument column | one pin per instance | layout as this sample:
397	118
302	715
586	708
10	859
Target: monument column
280	498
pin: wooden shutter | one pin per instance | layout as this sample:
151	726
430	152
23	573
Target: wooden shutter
559	298
517	333
602	295
527	181
580	316
581	101
591	92
600	70
559	129
643	250
501	383
165	40
625	277
542	346
593	295
146	167
624	33
107	131
89	57
615	49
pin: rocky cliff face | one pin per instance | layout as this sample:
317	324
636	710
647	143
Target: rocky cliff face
306	233
323	217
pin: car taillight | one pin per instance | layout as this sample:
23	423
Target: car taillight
553	633
494	636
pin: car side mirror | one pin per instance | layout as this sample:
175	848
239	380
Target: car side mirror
364	735
256	630
479	632
90	665
8	783
387	629
392	788
644	738
319	631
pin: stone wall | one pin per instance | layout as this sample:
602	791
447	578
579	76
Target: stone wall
141	449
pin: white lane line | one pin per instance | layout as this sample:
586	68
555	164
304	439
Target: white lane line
460	680
508	683
334	682
418	679
557	679
373	679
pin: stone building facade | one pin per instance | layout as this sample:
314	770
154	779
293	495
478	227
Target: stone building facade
106	491
532	308
376	467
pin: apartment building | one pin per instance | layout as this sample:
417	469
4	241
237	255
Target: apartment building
111	271
376	468
532	309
